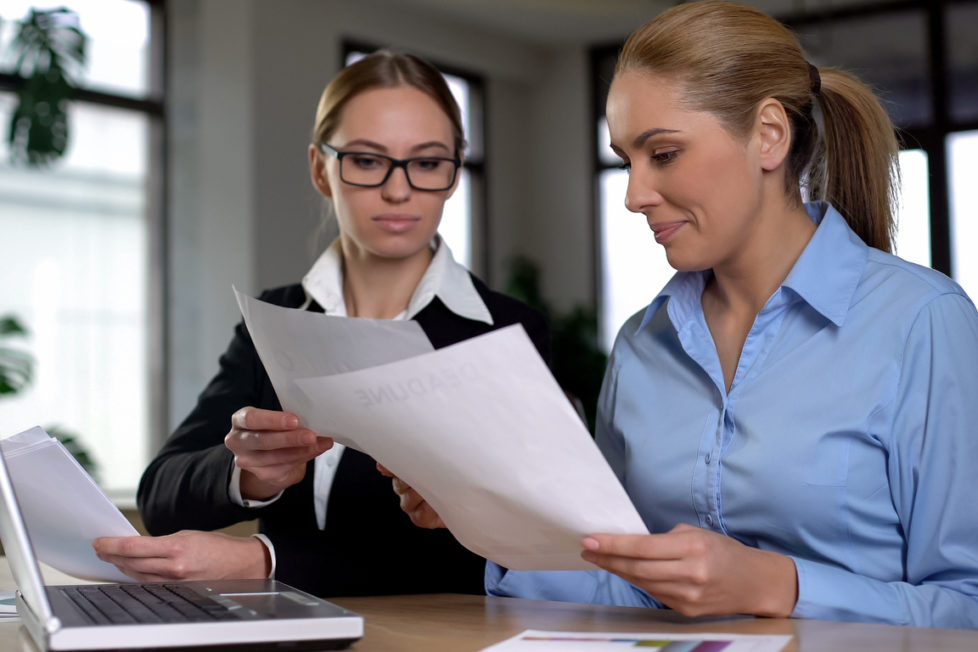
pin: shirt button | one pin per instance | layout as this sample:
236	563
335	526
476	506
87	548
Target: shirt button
709	520
331	461
708	458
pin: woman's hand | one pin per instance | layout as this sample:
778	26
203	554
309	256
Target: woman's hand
421	513
698	572
271	450
186	555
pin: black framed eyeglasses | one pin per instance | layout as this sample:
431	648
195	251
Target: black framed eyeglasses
369	170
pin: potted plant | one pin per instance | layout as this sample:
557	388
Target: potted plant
49	52
578	361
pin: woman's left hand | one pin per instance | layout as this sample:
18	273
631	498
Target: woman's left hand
698	572
417	508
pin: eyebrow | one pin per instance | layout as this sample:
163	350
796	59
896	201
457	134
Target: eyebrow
649	133
363	142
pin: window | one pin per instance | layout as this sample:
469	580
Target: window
962	150
920	58
79	247
913	214
461	220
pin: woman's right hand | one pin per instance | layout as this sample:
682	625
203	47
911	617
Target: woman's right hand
271	450
186	555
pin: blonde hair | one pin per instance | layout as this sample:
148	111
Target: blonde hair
385	69
728	57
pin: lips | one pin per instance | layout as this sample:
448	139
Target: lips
665	230
396	222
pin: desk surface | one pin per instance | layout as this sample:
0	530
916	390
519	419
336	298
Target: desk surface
459	623
463	622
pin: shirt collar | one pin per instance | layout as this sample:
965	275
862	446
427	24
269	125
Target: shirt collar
824	276
445	278
828	270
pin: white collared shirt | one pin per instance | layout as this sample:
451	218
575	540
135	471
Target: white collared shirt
444	278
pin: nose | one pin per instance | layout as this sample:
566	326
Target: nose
641	193
396	188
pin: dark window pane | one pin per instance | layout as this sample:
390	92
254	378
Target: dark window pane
887	51
962	53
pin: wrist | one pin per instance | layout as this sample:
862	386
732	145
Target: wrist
779	594
252	488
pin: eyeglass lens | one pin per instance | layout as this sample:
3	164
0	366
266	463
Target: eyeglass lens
422	173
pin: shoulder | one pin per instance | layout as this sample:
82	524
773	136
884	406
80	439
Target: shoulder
910	310
504	308
286	296
901	285
444	327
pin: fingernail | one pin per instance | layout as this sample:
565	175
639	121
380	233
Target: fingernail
587	555
590	543
290	421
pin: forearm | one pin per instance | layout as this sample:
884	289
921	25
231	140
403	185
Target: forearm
830	593
189	490
593	587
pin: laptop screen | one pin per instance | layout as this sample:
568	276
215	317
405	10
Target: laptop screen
18	550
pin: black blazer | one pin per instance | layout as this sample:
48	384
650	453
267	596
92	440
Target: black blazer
369	546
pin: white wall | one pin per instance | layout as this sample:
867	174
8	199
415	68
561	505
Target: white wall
244	80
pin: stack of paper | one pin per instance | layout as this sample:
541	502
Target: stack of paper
63	508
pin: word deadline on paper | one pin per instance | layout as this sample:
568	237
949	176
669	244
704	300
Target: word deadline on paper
480	429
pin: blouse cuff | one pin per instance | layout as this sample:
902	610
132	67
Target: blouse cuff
234	492
271	553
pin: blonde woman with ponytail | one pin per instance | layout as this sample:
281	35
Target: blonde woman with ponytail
794	415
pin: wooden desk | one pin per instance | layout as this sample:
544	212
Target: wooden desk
460	623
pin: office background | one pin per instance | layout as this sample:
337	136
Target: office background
198	115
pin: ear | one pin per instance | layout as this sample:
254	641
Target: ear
317	172
774	132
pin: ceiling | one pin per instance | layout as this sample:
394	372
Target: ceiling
553	22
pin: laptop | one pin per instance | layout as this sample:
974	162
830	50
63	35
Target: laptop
238	615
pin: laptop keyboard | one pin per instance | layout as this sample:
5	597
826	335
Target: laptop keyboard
147	603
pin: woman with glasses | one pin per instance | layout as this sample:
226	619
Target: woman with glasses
387	147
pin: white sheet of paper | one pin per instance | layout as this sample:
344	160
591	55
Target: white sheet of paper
533	640
484	433
295	344
63	508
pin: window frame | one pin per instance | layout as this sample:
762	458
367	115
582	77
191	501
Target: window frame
153	106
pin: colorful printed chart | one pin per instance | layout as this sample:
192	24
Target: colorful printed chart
540	641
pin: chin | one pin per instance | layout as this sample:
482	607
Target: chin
686	263
399	250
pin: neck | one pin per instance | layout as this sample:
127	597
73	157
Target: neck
745	284
380	288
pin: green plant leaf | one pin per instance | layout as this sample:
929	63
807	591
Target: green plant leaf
51	53
16	366
10	325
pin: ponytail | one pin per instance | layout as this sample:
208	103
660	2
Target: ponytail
856	169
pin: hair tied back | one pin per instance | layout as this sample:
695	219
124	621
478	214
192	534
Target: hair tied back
816	79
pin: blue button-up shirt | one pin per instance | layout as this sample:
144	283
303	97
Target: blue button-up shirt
848	440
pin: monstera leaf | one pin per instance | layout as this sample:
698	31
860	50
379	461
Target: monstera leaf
50	54
16	366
